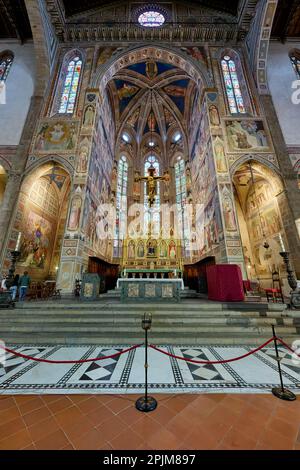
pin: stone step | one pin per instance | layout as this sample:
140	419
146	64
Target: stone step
128	328
136	319
159	339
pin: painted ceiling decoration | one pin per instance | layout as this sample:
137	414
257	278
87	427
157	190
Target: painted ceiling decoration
151	97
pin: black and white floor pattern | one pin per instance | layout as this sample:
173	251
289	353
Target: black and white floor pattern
125	374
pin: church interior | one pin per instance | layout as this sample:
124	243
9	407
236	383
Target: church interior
149	180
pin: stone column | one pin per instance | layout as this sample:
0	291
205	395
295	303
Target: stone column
289	199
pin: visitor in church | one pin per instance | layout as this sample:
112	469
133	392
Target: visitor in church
24	283
14	287
3	284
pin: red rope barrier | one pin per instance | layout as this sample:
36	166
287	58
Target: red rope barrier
212	362
83	361
288	347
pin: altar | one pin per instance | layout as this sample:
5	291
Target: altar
150	290
151	269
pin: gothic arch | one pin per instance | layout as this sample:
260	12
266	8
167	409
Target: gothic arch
194	69
254	159
50	159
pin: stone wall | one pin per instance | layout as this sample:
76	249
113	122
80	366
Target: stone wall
281	76
19	90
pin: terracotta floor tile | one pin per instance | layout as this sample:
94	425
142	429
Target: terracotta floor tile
200	439
131	415
36	416
92	440
275	441
21	399
111	428
68	416
287	429
89	405
18	441
236	440
9	415
176	404
59	405
180	422
51	398
12	427
54	441
118	404
163	414
179	426
43	429
78	428
7	403
127	440
164	440
146	427
98	416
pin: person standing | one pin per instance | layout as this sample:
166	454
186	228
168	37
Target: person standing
24	283
14	287
3	284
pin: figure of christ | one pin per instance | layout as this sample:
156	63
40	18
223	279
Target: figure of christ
151	181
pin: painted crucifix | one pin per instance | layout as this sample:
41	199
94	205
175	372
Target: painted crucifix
151	181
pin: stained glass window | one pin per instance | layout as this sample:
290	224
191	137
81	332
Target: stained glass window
70	88
121	202
232	85
6	61
295	59
152	215
181	201
151	19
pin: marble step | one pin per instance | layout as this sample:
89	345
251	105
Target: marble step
136	319
182	306
158	328
159	339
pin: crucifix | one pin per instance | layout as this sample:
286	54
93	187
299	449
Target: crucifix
151	181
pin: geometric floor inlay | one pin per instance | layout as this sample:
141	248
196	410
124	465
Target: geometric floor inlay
125	374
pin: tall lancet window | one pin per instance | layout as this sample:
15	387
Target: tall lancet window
295	59
181	201
71	78
232	85
6	60
121	202
152	214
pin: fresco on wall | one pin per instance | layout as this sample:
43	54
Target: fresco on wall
245	135
58	136
83	155
99	189
208	223
263	223
37	241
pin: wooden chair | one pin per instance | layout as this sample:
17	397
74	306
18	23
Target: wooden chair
275	292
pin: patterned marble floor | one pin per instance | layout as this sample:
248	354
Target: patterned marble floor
125	374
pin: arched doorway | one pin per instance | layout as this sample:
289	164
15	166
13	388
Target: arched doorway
3	182
41	219
261	227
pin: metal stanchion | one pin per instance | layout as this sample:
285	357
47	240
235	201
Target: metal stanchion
281	392
146	403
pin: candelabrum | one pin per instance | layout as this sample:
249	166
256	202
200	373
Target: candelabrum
292	280
15	255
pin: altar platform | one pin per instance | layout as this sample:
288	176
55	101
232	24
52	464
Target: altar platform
150	290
